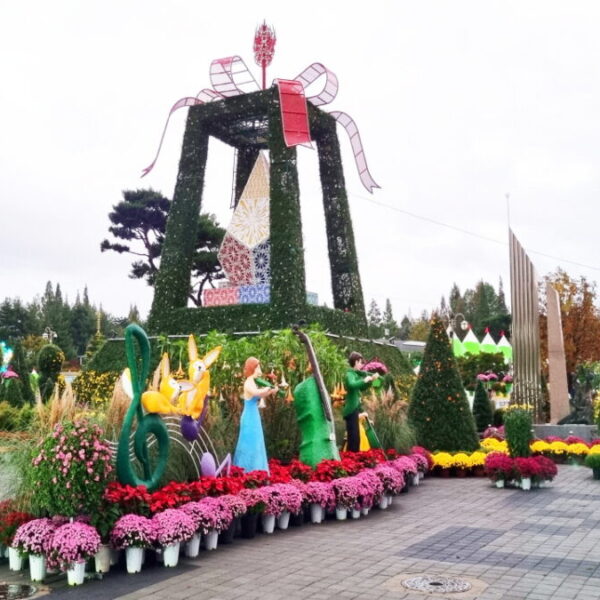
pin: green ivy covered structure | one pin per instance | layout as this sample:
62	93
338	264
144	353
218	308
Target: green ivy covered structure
250	123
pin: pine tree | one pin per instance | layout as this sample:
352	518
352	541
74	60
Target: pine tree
405	325
439	410
374	318
482	408
388	321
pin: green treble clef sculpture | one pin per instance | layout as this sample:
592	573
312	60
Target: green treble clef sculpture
147	424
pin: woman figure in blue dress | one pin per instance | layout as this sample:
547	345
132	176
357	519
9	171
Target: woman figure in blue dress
250	452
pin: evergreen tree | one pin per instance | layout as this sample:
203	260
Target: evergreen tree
419	330
134	315
374	320
456	301
95	344
13	392
83	324
405	325
438	409
482	408
56	315
388	321
139	223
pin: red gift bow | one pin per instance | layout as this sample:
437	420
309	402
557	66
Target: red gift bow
231	77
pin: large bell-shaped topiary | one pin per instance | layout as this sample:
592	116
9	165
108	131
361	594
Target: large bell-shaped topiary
439	410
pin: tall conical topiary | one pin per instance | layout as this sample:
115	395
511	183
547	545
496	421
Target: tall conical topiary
482	408
439	410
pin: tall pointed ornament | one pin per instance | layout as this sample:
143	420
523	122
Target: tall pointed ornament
264	49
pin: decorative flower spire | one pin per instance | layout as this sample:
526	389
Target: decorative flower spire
264	48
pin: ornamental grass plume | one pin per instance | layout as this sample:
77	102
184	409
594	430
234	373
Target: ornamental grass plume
392	479
72	543
133	531
34	537
321	493
173	526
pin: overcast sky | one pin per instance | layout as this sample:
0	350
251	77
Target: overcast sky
458	103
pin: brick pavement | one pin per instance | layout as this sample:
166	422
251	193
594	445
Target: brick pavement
510	544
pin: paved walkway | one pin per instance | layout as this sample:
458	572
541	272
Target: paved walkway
509	544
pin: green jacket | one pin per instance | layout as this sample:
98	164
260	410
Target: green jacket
355	383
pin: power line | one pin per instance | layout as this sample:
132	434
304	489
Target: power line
471	233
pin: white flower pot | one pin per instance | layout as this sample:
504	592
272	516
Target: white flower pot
499	483
355	513
316	513
268	523
15	560
192	547
383	502
415	479
526	483
211	539
76	573
365	512
283	520
341	513
37	567
114	556
171	555
102	559
133	557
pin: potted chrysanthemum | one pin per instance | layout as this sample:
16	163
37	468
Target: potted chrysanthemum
133	533
255	505
209	517
71	546
321	497
346	491
237	507
33	538
173	526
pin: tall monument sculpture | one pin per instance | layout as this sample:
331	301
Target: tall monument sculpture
527	387
557	362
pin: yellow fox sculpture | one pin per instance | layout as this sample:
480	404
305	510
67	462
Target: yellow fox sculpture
191	402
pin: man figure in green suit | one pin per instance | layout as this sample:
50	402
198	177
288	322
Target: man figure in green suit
355	382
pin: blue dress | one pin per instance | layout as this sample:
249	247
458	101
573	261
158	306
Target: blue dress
250	452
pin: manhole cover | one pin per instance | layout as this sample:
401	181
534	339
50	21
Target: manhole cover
435	583
14	591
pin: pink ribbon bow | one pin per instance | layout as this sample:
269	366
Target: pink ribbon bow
231	77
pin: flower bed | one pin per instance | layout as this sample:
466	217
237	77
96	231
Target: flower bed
131	518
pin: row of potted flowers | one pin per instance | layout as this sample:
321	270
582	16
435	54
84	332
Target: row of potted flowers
183	513
555	448
523	472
